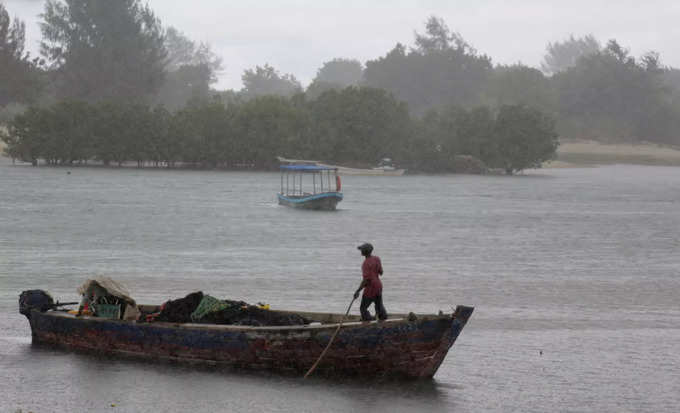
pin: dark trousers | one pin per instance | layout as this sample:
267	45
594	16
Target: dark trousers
379	308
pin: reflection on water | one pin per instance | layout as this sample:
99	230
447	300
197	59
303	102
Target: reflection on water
573	274
133	385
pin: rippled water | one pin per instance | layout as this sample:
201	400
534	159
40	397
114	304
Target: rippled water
574	274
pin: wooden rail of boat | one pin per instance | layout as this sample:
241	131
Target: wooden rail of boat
397	347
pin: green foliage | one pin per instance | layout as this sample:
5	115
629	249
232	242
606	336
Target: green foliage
342	72
191	69
182	51
187	83
4	141
204	132
335	74
610	96
59	135
358	125
560	56
19	76
10	111
439	38
20	140
268	126
355	126
318	87
229	97
117	52
442	70
268	81
525	138
514	139
671	82
103	50
522	85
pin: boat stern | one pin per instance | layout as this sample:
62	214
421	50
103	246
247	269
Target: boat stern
38	300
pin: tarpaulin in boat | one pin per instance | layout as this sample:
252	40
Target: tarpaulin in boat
112	288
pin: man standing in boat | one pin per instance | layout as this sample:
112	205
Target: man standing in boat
371	271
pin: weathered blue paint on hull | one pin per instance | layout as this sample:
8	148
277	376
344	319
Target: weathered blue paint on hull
396	347
326	201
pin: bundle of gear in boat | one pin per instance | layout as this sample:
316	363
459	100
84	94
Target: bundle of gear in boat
106	298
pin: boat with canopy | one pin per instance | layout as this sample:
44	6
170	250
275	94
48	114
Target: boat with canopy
310	187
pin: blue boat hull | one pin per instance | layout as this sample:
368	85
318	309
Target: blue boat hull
326	201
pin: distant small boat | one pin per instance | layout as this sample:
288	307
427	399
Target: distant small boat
383	169
310	187
387	168
377	171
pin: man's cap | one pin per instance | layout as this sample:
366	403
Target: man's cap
365	247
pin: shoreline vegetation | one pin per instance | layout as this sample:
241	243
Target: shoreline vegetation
570	154
353	127
435	106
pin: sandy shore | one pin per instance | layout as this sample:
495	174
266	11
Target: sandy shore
591	153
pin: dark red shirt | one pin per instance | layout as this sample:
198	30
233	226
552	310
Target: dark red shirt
371	270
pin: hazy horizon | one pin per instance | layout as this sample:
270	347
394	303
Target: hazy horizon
297	37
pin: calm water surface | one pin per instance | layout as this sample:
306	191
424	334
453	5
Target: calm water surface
579	264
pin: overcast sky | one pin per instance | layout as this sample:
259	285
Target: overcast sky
298	36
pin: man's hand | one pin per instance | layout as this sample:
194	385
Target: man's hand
356	295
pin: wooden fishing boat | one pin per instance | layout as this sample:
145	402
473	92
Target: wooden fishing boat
310	187
406	346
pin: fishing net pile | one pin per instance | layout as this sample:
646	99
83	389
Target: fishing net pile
179	310
199	308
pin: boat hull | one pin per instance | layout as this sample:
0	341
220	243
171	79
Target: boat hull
327	201
343	170
370	172
394	348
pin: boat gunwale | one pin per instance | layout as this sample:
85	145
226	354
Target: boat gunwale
233	327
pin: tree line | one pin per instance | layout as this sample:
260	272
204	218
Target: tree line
98	50
354	126
593	91
100	53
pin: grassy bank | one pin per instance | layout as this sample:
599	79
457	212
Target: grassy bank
591	153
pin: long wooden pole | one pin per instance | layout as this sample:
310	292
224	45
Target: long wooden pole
323	353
